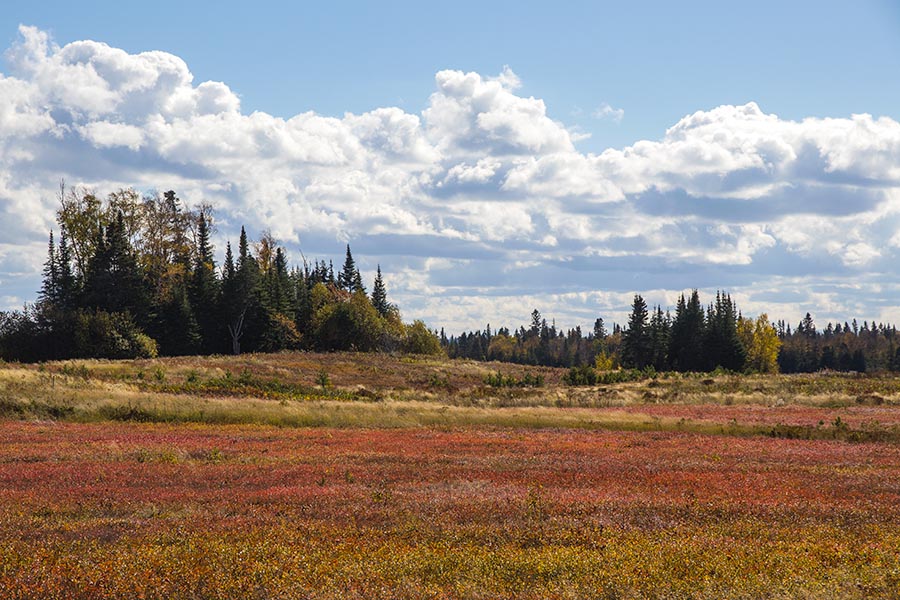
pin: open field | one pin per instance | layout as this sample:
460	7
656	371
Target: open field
409	477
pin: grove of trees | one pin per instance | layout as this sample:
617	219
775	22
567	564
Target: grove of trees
136	276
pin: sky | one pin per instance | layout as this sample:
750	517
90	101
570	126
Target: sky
492	157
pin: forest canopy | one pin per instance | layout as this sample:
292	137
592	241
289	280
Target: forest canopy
136	276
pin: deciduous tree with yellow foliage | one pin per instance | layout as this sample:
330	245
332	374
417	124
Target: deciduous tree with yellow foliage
762	343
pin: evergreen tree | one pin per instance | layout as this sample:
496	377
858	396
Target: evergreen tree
114	282
66	282
808	328
358	283
379	295
228	296
303	316
686	337
204	290
177	330
723	347
239	307
348	277
50	292
599	329
637	345
535	322
659	337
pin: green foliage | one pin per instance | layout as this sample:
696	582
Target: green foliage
350	324
499	380
102	334
349	278
134	277
637	342
583	375
419	340
280	334
587	375
379	295
322	379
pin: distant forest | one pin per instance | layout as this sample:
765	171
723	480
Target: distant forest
696	338
132	276
135	276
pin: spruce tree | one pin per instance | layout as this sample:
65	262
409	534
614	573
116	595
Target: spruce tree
49	294
358	283
304	315
379	295
240	307
281	293
722	346
599	329
67	283
177	330
204	289
659	339
687	333
349	278
637	346
114	281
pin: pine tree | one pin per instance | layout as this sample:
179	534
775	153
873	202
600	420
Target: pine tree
379	295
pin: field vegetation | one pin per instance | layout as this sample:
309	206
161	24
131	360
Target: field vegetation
342	475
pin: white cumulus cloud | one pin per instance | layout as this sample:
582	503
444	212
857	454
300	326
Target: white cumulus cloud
480	205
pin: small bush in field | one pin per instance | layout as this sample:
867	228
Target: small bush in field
583	375
322	379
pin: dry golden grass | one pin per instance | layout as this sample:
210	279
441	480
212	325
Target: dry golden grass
378	390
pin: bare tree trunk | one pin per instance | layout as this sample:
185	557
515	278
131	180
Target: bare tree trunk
236	331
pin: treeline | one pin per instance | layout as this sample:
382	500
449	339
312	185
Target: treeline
135	276
696	338
838	347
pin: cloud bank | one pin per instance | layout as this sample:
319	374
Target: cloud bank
479	208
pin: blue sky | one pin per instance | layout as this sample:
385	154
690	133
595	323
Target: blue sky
657	61
497	155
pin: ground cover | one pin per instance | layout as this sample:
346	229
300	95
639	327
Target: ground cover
424	481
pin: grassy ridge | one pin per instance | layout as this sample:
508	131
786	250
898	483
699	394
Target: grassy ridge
353	390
